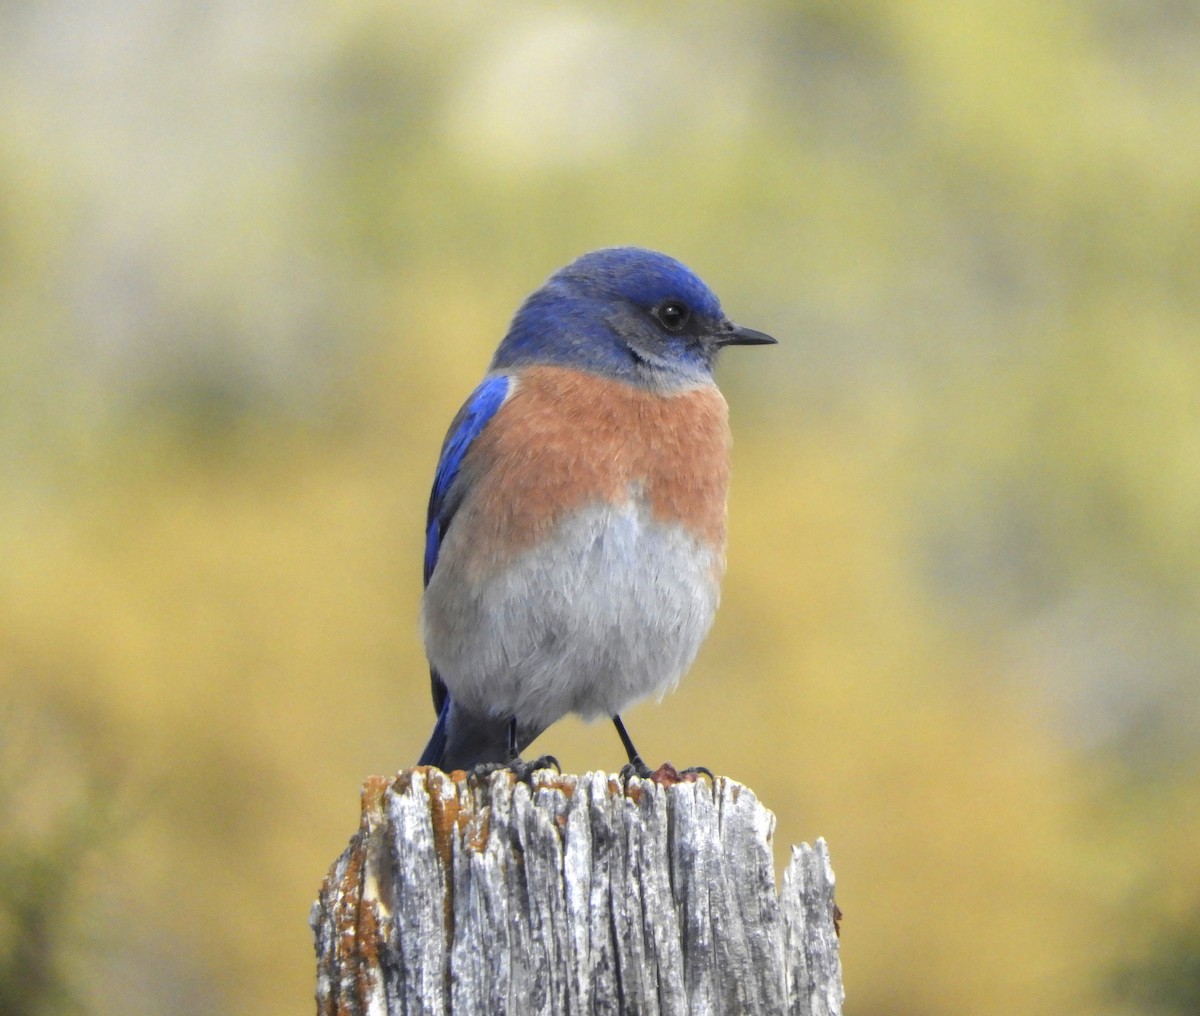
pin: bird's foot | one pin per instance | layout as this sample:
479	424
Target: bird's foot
524	770
636	768
518	767
666	775
693	773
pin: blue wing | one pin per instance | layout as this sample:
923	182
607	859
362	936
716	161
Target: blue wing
444	501
446	496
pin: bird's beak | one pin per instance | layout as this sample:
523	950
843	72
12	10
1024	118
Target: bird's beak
736	335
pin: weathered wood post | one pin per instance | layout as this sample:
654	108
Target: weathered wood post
580	894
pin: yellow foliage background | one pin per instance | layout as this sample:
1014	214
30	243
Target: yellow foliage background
252	258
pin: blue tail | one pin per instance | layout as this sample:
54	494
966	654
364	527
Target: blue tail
436	748
462	739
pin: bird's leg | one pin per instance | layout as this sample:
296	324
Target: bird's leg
512	759
525	770
514	748
635	767
666	775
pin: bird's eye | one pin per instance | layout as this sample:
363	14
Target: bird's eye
672	315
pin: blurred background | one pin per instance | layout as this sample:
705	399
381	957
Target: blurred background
253	257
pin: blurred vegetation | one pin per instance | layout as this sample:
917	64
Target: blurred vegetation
55	818
1168	980
252	257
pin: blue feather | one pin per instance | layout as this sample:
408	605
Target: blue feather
585	315
445	498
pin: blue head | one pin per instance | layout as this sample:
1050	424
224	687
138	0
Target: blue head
627	313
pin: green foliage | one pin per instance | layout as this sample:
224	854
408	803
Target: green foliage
50	829
1169	980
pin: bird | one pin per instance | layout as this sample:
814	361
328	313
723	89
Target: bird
575	536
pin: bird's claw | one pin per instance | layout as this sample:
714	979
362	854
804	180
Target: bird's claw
524	770
517	766
693	773
666	775
638	769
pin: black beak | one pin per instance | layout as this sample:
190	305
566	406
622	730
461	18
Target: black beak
736	335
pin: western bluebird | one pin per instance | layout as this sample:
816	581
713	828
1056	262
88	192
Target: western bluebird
576	528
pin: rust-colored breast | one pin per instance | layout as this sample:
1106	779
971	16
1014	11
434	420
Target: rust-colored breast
565	440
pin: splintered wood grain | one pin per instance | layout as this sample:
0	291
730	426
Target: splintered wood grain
578	894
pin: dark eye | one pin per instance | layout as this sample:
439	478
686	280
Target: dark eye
672	315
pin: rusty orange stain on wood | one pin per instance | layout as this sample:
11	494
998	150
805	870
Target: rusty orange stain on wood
353	951
373	789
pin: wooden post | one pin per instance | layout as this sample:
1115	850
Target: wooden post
582	894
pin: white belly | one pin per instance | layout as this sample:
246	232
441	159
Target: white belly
612	610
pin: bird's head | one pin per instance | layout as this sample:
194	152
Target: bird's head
627	313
